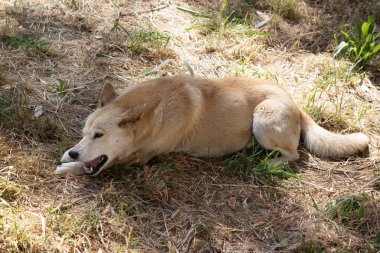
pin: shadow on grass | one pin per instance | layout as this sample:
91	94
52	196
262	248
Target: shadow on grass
313	25
18	119
193	202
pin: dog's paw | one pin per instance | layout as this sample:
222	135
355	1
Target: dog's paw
74	168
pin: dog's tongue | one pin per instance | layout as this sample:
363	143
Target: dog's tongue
94	163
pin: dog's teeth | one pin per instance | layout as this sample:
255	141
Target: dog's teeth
88	170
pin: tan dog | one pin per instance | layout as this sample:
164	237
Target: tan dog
203	118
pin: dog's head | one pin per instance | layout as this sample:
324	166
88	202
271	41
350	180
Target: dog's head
109	133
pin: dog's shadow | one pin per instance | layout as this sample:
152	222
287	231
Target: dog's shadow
210	200
206	198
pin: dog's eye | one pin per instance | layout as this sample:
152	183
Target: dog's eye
98	135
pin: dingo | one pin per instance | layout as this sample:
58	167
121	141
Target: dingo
200	117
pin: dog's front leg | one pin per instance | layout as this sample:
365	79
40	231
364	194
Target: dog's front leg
143	157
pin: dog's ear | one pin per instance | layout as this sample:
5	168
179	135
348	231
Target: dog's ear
131	115
134	114
106	95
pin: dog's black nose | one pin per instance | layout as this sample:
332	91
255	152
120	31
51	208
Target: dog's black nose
73	154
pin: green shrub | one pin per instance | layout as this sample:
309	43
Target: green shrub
361	46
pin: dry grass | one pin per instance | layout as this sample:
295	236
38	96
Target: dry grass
56	55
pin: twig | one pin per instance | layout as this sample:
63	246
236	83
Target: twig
315	185
128	239
368	184
60	121
154	9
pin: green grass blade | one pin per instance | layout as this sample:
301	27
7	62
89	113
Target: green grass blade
193	13
189	68
315	205
155	69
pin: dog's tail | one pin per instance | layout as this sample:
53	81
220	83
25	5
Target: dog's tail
323	143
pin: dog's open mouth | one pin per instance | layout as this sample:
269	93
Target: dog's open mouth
93	167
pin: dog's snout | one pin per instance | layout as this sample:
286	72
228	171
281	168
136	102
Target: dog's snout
73	154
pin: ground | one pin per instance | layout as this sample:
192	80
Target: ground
56	55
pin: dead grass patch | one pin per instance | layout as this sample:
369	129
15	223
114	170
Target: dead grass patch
334	81
288	9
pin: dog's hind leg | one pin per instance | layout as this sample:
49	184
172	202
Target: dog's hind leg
276	126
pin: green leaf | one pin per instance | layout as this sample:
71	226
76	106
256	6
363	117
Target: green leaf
341	49
365	29
364	47
376	49
367	57
371	24
347	36
358	41
358	26
60	86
